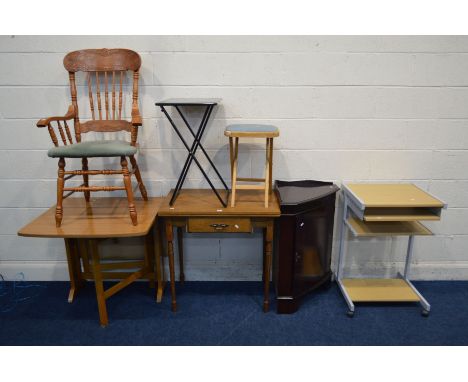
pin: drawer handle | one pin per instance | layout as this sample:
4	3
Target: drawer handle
219	226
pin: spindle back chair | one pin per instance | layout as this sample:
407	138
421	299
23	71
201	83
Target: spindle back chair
105	69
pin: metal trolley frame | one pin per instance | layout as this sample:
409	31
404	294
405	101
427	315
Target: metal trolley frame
353	206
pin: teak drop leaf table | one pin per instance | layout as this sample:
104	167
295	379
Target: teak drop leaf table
84	225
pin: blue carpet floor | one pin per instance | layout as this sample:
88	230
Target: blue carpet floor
229	313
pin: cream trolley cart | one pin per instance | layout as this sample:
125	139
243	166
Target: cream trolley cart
374	209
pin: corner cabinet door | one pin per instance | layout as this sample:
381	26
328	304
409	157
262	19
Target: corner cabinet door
314	231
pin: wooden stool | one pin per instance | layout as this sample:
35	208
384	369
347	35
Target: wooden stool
234	132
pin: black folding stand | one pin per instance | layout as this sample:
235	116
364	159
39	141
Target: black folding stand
208	104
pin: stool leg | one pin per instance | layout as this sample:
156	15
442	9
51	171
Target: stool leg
267	172
234	172
271	163
231	152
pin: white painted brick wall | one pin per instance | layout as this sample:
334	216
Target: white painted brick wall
350	108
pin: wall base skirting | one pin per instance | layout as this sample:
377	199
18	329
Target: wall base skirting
58	271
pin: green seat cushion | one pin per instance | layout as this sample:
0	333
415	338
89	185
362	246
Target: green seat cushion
252	128
93	149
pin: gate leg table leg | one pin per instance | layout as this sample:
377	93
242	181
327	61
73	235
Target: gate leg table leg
149	253
101	300
74	270
77	262
159	264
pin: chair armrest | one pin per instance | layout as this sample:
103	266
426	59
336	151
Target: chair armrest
136	118
45	121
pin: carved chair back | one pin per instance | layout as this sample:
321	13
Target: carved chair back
105	70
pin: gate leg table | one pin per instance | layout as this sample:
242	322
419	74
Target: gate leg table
371	210
207	105
86	224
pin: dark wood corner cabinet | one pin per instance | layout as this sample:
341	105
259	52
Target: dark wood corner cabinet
304	236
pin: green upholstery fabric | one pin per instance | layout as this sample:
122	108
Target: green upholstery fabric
93	149
253	128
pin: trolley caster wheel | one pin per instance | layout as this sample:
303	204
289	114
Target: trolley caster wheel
425	313
350	314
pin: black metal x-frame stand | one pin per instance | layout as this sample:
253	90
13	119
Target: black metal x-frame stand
197	136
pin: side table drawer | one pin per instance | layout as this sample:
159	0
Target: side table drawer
219	225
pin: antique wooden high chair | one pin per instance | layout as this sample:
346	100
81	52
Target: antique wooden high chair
103	67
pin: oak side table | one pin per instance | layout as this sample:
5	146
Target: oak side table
198	211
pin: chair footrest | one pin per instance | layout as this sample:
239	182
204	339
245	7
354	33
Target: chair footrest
249	187
94	188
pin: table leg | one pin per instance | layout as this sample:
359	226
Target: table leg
83	250
98	281
71	269
170	254
180	246
77	262
74	268
159	264
149	253
267	265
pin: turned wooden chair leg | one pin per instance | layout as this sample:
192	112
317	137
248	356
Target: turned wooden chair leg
84	166
128	189
138	178
234	172
60	184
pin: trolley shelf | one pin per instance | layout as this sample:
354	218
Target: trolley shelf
392	195
380	290
386	228
401	214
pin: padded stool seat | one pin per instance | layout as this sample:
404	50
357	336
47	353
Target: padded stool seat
251	130
109	148
234	132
